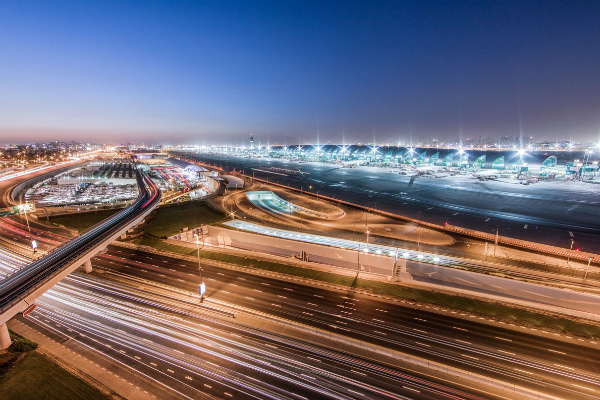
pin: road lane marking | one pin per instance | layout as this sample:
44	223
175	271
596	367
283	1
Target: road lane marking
409	388
564	366
501	338
583	387
506	352
556	351
460	329
525	372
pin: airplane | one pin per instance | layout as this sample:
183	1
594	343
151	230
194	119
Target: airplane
351	164
487	175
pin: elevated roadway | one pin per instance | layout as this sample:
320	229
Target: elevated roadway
19	291
9	184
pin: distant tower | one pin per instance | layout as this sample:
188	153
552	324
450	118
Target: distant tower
251	140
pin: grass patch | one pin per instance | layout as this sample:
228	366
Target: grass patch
37	377
491	310
21	344
170	219
83	221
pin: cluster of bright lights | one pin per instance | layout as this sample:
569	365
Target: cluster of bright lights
365	249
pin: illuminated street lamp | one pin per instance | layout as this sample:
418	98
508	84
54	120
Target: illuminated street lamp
202	288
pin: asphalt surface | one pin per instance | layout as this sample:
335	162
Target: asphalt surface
563	368
197	348
551	212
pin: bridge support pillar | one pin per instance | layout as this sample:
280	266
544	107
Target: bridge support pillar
4	337
87	266
124	236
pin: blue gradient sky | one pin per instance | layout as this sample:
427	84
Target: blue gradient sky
212	72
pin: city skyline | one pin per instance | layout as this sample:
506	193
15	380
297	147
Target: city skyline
212	72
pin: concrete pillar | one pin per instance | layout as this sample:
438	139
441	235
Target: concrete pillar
4	337
87	266
124	236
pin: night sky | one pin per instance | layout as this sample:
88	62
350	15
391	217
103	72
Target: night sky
201	72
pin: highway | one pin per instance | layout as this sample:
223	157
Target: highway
544	364
565	368
190	348
7	183
545	212
193	347
18	285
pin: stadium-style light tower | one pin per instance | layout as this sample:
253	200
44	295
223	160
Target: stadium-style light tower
521	153
374	152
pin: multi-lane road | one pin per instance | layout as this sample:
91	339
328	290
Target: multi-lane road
546	212
565	368
138	310
541	362
193	348
16	287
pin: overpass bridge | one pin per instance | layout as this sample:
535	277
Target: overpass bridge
19	291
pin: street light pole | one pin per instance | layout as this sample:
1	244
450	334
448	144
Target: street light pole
569	255
202	287
419	229
587	269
